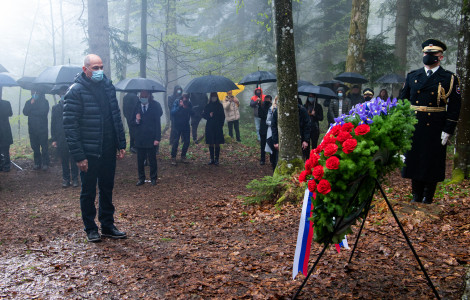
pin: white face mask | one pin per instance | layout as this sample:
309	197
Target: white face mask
340	94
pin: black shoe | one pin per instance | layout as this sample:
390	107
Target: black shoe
416	198
45	167
113	233
262	162
93	236
37	167
211	162
65	183
140	182
75	182
238	140
216	162
153	182
427	200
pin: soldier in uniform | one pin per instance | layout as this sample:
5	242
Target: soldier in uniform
434	94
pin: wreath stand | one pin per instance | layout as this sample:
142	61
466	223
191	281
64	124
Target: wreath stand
367	208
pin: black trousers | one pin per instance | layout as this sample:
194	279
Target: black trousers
142	155
184	134
231	125
5	158
40	148
194	125
262	143
100	171
131	134
68	165
274	156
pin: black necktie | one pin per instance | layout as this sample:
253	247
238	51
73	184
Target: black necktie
145	109
429	72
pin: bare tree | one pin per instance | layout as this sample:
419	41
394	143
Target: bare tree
98	32
357	36
288	116
143	40
52	33
462	145
401	32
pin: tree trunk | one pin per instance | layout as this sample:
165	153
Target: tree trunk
124	67
462	144
288	115
98	32
357	36
401	33
62	35
171	74
52	33
143	40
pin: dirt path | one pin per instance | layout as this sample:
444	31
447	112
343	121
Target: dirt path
190	237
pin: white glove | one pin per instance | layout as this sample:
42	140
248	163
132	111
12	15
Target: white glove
444	138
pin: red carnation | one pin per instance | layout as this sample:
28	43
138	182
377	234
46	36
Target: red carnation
315	158
362	129
303	176
335	130
309	164
344	135
332	163
324	187
348	127
318	172
330	149
312	185
328	139
349	145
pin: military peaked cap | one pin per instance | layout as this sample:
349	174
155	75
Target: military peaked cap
368	91
432	45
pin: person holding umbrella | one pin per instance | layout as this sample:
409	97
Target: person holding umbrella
315	112
181	113
383	94
263	111
255	102
339	106
37	109
232	114
355	95
6	138
214	114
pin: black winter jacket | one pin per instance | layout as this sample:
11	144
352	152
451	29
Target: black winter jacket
6	138
57	127
83	118
214	125
304	125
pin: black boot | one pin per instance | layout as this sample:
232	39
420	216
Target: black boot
429	190
211	151
217	153
417	189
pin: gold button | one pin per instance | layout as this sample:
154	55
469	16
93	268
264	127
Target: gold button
432	93
430	103
416	102
418	91
429	114
427	124
416	112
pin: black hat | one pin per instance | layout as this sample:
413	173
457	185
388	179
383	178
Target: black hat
368	91
432	45
356	86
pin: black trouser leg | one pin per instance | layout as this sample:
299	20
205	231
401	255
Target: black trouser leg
314	135
176	142
105	186
217	153
211	152
186	135
65	161
417	189
73	167
5	158
36	146
273	158
195	119
141	156
262	147
429	190
237	129
152	155
230	128
44	150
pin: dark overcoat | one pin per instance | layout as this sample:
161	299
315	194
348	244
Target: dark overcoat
6	138
214	125
437	110
37	116
149	128
57	127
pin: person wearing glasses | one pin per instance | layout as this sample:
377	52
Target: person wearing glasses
95	136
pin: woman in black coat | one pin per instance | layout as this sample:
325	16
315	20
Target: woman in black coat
215	116
6	138
315	112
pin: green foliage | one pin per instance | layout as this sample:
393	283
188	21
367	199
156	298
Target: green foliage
379	58
266	189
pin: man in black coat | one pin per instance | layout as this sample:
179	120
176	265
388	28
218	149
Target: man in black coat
58	141
37	109
148	134
181	113
434	94
199	101
177	93
95	135
263	108
6	138
130	101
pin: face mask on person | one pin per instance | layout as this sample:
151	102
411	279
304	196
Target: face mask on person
311	99
97	75
430	59
340	94
213	99
62	97
144	101
367	98
258	93
179	92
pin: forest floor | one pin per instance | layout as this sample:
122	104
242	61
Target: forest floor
191	237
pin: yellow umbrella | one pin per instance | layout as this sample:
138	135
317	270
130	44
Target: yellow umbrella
222	95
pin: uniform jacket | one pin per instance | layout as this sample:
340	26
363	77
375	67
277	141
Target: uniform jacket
37	115
149	128
426	159
83	120
231	110
6	138
214	125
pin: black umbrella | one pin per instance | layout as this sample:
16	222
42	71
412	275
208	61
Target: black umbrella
58	89
391	78
7	80
3	70
332	84
209	84
62	74
320	91
27	83
258	77
303	82
139	84
351	77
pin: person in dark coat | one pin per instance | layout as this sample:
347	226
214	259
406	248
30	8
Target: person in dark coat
177	93
199	101
130	101
214	114
95	135
6	138
263	109
339	106
181	114
435	97
355	95
368	94
315	113
37	109
58	141
148	133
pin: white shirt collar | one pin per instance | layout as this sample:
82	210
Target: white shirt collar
433	69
